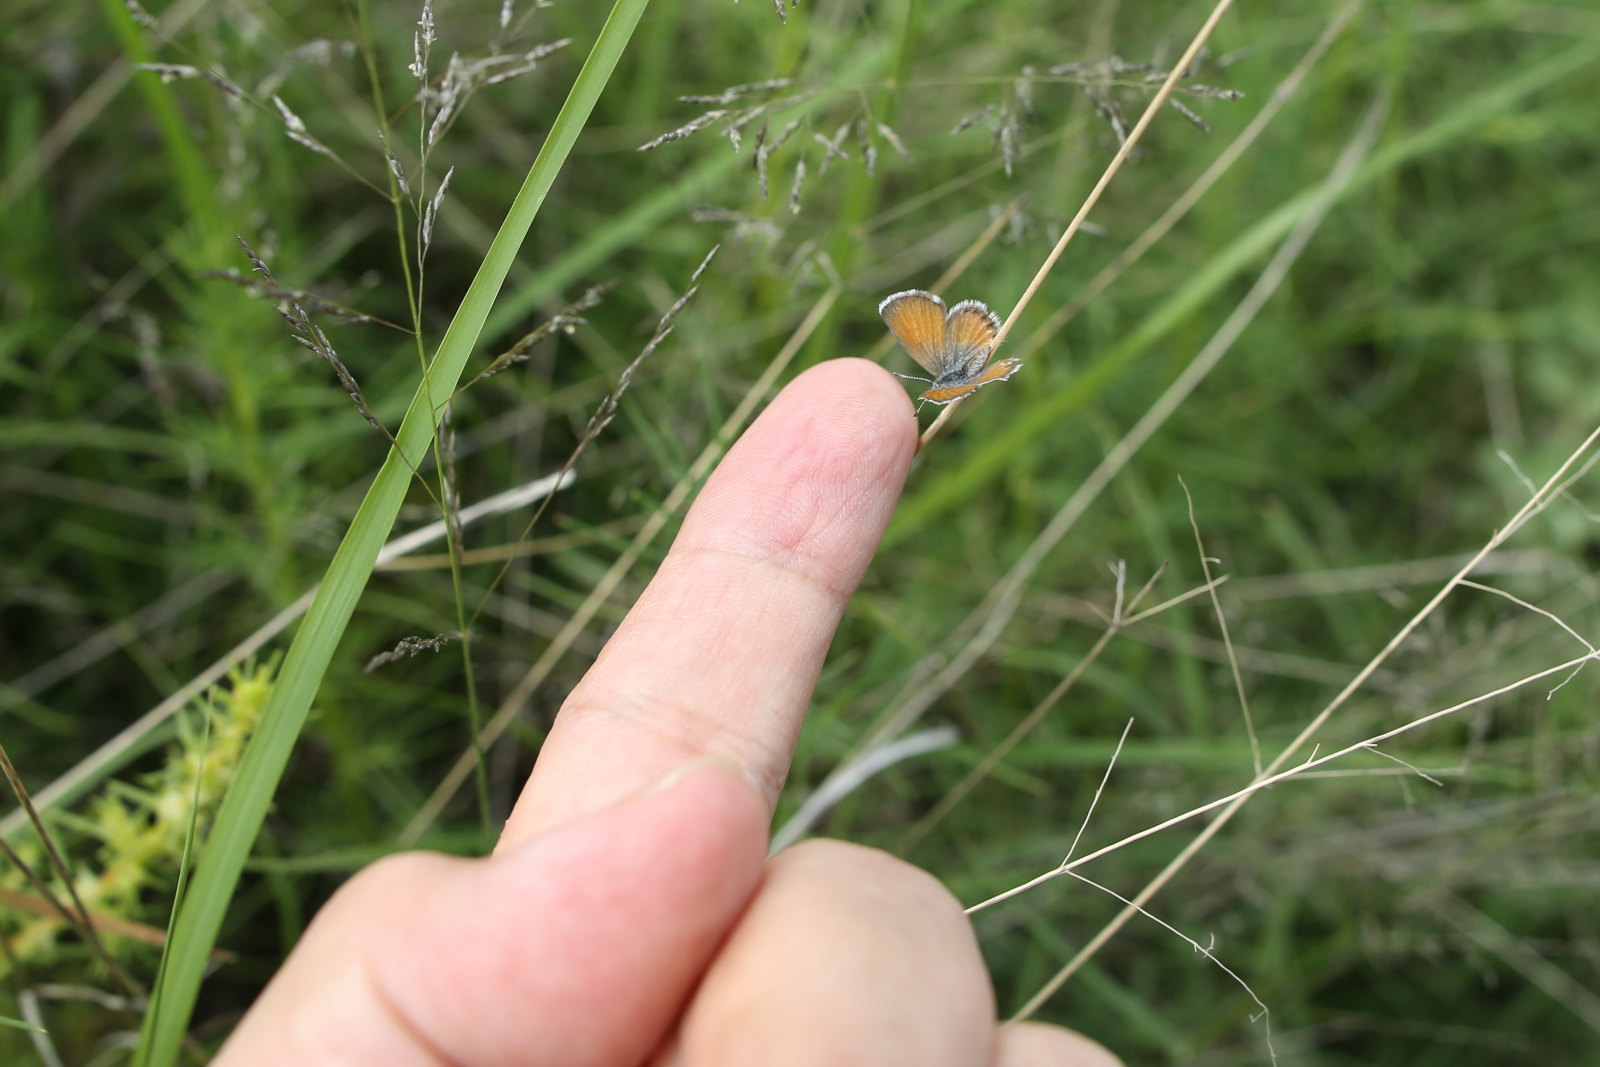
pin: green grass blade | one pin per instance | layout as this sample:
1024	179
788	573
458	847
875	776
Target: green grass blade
186	857
21	1024
240	816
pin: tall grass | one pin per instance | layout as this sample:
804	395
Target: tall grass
179	475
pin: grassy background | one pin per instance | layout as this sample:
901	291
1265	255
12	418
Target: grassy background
176	469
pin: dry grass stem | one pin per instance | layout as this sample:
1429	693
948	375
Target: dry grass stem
1564	490
1089	202
1115	625
1552	616
1266	284
1231	802
984	625
77	916
1099	790
1265	1015
1227	638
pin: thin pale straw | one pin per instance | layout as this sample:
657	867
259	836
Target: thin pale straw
1093	198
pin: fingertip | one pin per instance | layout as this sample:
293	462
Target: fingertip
722	650
861	385
817	475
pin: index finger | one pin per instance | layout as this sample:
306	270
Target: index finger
720	654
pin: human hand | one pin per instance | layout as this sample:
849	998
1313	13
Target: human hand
629	913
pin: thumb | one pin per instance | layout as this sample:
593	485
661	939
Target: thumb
578	947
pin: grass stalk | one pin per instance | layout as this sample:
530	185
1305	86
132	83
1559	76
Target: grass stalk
228	846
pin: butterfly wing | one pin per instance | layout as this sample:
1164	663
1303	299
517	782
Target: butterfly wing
970	332
998	371
917	320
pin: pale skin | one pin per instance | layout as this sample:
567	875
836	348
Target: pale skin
629	914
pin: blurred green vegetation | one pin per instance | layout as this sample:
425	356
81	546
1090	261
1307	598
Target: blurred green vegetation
176	470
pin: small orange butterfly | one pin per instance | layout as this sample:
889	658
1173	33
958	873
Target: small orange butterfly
952	347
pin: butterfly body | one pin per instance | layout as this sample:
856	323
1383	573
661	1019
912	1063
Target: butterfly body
953	346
